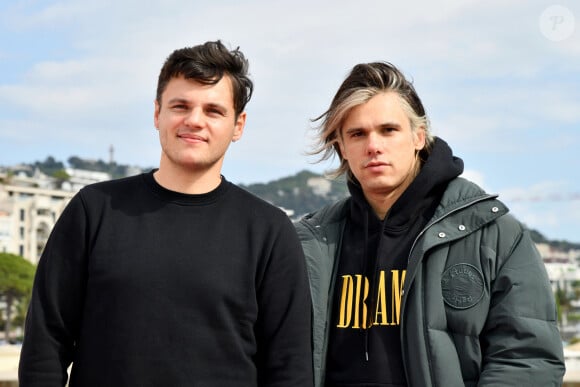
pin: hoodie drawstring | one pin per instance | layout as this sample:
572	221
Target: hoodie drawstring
365	259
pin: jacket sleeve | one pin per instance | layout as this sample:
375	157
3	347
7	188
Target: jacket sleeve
284	322
521	342
53	319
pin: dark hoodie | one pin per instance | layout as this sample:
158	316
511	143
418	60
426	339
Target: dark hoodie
371	273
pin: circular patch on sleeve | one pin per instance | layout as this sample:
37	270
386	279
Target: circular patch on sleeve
462	286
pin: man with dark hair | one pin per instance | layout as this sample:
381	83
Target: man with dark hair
175	277
419	278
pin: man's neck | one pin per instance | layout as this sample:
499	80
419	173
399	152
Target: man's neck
187	181
381	203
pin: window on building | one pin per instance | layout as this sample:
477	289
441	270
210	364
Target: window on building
42	212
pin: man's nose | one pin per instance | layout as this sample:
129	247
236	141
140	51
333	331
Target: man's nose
373	144
195	118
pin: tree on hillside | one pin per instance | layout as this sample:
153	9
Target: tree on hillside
89	165
563	305
61	176
49	166
16	277
295	192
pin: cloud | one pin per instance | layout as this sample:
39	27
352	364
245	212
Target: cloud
77	87
474	176
556	220
491	82
551	206
538	191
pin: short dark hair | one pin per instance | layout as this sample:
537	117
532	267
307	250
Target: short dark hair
208	63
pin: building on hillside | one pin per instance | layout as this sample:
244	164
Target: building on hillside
27	216
78	178
320	186
30	204
562	266
26	176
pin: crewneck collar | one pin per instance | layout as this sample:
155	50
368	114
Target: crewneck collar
180	198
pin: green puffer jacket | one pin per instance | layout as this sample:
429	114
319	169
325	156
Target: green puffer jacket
477	307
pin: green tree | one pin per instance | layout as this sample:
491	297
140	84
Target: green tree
16	278
49	166
61	176
562	305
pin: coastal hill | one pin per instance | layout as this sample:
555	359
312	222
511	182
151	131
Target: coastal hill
298	194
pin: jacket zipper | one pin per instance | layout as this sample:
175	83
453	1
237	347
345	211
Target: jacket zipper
483	198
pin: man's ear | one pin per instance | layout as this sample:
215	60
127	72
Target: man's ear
239	126
156	114
419	138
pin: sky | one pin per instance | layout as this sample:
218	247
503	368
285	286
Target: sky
500	81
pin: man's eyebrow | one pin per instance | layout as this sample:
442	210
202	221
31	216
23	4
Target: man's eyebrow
352	129
390	124
177	100
214	105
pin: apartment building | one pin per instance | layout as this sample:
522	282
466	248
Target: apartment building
30	204
27	215
562	266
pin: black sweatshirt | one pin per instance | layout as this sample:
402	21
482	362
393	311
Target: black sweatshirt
142	286
364	345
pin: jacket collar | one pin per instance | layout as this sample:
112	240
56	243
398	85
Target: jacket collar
460	194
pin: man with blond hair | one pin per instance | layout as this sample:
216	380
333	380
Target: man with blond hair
419	278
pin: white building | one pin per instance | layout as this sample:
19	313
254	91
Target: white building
27	216
562	266
78	178
30	204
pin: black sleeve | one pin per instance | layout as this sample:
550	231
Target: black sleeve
284	321
54	314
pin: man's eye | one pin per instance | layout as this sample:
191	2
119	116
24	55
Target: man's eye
213	111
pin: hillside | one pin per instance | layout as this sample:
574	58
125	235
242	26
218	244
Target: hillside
299	194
